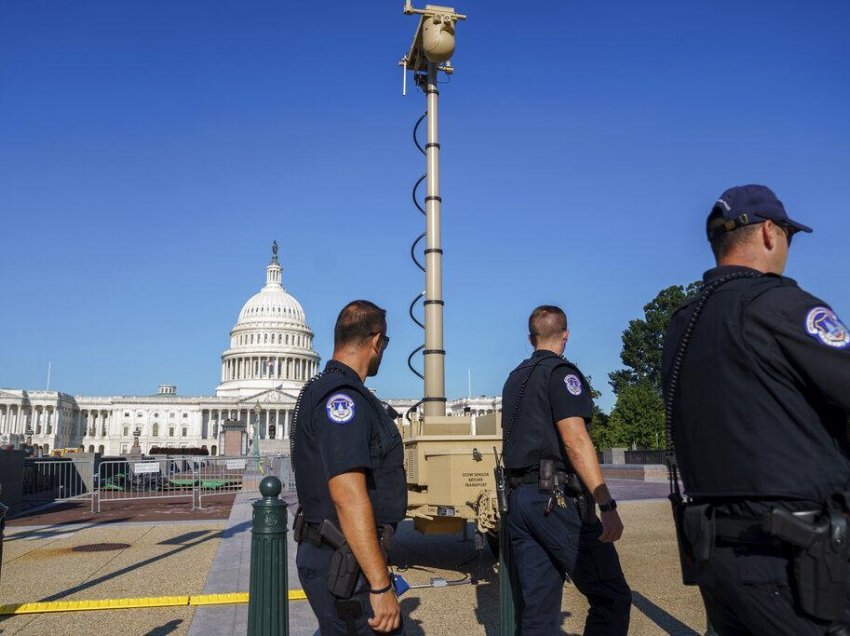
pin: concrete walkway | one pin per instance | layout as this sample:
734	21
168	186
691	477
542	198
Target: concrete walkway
230	572
131	559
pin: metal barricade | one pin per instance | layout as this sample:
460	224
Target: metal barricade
285	473
57	479
186	477
279	466
221	475
153	477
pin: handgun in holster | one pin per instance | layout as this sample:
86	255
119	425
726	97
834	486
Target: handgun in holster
343	569
821	559
585	503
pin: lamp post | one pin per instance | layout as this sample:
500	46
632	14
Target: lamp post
255	444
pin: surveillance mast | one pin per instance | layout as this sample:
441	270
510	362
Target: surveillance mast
429	54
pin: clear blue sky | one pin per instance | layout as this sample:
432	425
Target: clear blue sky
151	150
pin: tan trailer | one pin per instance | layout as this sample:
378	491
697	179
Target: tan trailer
450	473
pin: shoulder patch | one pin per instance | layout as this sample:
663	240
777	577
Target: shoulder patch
573	384
340	408
823	325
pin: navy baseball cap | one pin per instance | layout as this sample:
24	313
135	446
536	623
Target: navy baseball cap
746	205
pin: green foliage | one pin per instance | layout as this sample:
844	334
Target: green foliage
638	415
643	339
599	430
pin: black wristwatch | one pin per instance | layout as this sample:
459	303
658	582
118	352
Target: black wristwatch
609	506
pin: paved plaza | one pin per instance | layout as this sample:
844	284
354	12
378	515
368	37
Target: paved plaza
164	556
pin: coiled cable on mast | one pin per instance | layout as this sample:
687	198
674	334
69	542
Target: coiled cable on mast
415	260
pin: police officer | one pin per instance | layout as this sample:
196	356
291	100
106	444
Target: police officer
348	457
554	532
760	392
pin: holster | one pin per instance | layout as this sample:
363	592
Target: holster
343	569
343	572
700	529
821	559
686	554
546	476
585	503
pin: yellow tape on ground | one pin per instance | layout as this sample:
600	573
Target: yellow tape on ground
218	599
133	603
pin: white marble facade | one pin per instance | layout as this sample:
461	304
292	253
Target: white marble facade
269	358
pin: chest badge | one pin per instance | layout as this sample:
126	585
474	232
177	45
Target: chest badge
824	325
573	384
340	408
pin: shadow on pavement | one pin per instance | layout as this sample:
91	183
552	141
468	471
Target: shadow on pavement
211	534
670	624
168	628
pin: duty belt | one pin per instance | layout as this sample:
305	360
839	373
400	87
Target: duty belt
519	477
312	535
749	530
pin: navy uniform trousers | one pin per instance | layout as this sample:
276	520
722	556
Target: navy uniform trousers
313	564
749	590
547	548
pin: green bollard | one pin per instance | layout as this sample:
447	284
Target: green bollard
507	585
268	592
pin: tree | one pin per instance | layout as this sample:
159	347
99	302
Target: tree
638	414
600	433
643	339
638	417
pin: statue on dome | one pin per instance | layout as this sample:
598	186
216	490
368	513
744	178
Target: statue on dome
274	249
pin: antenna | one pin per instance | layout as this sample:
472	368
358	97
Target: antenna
432	48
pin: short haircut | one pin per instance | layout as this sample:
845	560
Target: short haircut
724	242
546	322
358	321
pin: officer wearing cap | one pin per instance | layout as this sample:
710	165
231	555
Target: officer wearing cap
348	457
554	477
756	373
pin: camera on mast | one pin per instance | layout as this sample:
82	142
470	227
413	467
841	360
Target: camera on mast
434	39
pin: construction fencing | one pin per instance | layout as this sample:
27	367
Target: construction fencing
112	480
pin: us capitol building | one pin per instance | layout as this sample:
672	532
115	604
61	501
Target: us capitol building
269	358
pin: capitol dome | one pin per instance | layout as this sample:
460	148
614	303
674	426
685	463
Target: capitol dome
271	345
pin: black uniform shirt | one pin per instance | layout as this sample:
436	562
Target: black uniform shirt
554	390
569	394
764	392
342	430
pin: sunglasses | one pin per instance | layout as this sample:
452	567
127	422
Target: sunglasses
789	231
385	340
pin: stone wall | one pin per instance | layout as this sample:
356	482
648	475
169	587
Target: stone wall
641	472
